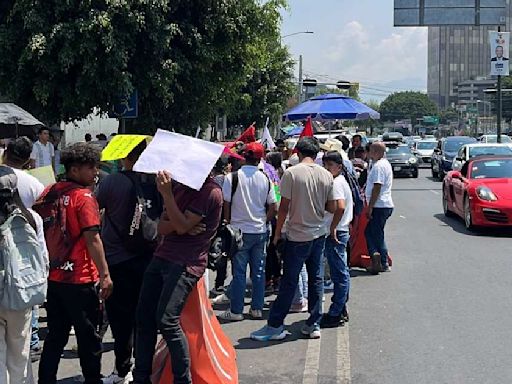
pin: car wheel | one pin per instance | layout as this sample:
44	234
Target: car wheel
468	218
415	173
434	173
446	207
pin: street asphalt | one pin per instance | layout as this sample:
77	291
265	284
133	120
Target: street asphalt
443	314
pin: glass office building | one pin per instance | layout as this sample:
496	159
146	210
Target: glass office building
457	54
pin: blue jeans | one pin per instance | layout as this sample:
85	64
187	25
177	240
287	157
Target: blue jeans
301	292
295	255
254	253
336	255
34	338
375	233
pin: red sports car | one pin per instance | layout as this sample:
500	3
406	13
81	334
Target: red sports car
481	193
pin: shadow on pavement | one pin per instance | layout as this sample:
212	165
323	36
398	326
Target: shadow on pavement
458	226
294	334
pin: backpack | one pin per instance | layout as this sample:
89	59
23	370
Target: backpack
23	262
51	206
141	232
226	243
357	196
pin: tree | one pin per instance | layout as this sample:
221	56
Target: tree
186	58
270	85
407	105
506	102
369	125
448	115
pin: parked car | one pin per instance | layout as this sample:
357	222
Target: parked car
468	151
393	136
402	159
494	139
445	152
480	192
424	149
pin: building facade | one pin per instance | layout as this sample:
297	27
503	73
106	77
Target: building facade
457	54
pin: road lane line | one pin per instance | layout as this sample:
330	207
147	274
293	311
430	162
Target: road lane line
312	362
343	371
402	217
434	192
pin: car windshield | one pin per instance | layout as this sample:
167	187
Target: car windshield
492	169
494	139
454	145
426	145
398	150
496	150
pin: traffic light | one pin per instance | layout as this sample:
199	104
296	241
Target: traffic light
343	84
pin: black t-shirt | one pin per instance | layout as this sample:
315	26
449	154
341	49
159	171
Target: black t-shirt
116	194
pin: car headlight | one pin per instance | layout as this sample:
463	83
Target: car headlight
413	160
486	194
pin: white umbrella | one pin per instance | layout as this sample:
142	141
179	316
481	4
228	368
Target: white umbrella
15	121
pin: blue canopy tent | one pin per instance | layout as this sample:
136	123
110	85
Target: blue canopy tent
331	107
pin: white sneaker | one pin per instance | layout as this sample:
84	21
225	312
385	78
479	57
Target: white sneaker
114	378
221	299
230	316
256	314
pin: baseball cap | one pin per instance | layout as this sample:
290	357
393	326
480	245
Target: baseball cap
254	150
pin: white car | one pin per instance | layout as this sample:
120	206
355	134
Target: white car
424	149
468	151
493	139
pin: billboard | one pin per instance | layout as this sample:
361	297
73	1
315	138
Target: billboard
499	43
417	13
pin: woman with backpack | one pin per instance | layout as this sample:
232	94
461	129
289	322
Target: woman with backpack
22	247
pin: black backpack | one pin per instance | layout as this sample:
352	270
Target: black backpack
357	195
140	235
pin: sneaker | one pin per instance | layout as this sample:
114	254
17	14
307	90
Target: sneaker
312	331
386	268
221	299
256	314
329	321
301	307
269	333
376	267
230	316
344	314
217	291
72	332
114	378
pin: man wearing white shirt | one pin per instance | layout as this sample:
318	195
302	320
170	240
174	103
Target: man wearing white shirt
380	207
249	204
43	153
337	229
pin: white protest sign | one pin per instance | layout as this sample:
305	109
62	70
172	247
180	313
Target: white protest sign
189	160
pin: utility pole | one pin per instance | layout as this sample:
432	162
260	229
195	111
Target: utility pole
300	79
499	111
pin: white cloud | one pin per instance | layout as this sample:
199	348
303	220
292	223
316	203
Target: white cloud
360	53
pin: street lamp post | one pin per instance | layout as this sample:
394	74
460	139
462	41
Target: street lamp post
300	58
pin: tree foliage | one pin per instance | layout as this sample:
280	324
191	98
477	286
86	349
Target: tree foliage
506	102
407	105
186	58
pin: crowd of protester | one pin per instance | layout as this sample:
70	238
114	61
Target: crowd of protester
126	249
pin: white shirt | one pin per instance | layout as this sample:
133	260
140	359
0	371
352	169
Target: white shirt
381	173
254	191
341	191
42	154
29	187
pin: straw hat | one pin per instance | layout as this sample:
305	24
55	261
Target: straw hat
334	145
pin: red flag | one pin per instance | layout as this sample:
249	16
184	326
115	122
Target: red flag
306	132
248	136
308	129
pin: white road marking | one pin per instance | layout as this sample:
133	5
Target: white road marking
343	371
402	217
434	192
312	362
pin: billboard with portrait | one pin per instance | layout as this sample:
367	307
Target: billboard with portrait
499	43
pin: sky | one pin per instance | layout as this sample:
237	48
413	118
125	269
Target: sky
354	40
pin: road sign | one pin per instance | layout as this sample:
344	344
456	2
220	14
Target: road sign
416	13
126	107
461	108
431	119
